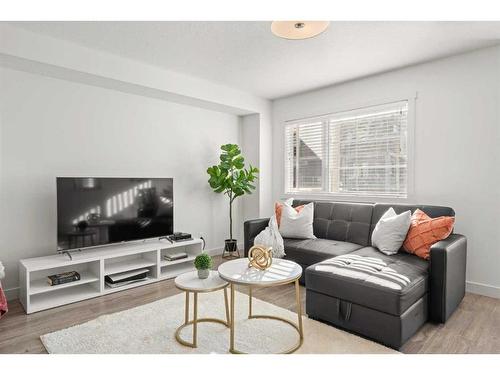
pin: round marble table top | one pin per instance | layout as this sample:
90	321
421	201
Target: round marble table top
190	282
281	272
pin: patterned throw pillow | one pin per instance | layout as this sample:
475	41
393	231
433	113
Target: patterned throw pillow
425	231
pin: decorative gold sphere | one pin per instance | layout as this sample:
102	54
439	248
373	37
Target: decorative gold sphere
260	257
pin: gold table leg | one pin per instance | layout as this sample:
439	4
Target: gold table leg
195	320
298	327
299	308
226	304
186	309
249	302
231	333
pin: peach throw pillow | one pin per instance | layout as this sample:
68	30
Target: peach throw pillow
425	231
278	209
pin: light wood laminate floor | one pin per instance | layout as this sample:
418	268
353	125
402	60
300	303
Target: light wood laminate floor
473	328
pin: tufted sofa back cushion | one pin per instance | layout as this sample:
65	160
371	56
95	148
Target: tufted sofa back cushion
341	221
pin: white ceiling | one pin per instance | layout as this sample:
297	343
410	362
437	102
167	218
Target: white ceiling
246	56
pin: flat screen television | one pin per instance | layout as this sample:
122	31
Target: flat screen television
95	211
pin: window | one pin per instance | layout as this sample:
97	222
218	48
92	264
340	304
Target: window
360	152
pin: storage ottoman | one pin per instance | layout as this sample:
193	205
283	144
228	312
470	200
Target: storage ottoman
374	295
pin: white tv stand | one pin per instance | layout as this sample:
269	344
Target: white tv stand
93	265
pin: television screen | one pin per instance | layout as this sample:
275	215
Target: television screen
95	211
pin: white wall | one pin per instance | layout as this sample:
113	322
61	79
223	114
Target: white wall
250	148
52	127
456	143
40	54
69	92
266	173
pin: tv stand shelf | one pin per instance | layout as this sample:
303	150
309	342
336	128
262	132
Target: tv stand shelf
127	265
93	265
41	285
164	262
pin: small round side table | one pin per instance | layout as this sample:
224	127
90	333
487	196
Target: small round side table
190	283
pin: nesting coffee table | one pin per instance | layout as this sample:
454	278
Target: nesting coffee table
190	283
281	272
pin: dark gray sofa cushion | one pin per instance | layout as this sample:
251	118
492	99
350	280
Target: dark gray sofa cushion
307	252
349	222
389	284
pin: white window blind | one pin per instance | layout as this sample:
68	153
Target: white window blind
359	152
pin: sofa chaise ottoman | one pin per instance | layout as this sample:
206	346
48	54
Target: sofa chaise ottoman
353	286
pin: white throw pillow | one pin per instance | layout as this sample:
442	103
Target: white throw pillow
295	224
390	231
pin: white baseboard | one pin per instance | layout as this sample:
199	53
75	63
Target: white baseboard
215	251
218	250
13	293
483	289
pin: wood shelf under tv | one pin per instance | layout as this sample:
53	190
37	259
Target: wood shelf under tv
93	265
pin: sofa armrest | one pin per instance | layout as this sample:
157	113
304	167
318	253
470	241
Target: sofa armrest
447	276
252	228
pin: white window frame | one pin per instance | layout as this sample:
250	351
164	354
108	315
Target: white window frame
411	123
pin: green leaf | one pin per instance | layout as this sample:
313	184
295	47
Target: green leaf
238	163
219	189
238	191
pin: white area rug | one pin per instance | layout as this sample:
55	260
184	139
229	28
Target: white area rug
150	329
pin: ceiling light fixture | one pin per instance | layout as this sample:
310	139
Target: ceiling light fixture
298	29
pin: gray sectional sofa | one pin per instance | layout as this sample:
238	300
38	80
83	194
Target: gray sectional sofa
352	285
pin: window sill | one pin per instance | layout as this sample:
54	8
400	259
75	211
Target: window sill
348	198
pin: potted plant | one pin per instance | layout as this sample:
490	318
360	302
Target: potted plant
203	264
232	179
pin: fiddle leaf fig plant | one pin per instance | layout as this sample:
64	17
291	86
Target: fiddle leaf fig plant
230	177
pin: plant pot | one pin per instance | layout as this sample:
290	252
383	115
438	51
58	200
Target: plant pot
230	246
203	274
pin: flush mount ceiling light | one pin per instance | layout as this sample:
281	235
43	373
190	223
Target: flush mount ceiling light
298	29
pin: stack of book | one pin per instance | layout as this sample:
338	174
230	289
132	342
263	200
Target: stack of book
63	278
175	256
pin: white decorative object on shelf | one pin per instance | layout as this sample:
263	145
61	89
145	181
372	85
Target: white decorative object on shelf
93	265
2	271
